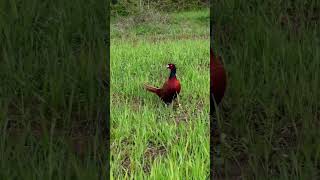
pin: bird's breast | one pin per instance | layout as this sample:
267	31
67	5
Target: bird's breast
218	81
172	86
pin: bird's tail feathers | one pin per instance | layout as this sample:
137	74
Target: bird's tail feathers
151	88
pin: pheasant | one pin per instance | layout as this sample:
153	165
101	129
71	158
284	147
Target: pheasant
170	89
218	79
218	83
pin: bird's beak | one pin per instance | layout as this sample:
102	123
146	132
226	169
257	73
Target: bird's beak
167	65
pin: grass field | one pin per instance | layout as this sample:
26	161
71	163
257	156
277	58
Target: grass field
270	114
149	140
52	100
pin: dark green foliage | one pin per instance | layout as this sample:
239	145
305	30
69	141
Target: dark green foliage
52	64
271	112
131	7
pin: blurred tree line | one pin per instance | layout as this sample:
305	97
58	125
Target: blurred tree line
131	7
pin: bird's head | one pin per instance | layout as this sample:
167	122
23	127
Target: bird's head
173	70
171	66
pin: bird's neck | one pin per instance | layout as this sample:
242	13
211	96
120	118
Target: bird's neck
214	59
172	73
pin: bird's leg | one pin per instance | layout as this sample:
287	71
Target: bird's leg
176	102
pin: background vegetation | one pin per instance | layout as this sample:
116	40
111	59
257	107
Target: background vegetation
52	100
132	7
270	114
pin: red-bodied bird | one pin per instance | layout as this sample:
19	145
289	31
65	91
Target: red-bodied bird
218	79
170	89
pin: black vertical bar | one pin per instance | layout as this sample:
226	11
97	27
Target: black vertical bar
108	95
212	106
211	143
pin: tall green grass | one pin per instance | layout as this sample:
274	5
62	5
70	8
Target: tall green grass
52	101
271	109
149	140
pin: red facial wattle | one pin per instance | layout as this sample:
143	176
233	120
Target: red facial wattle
170	66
